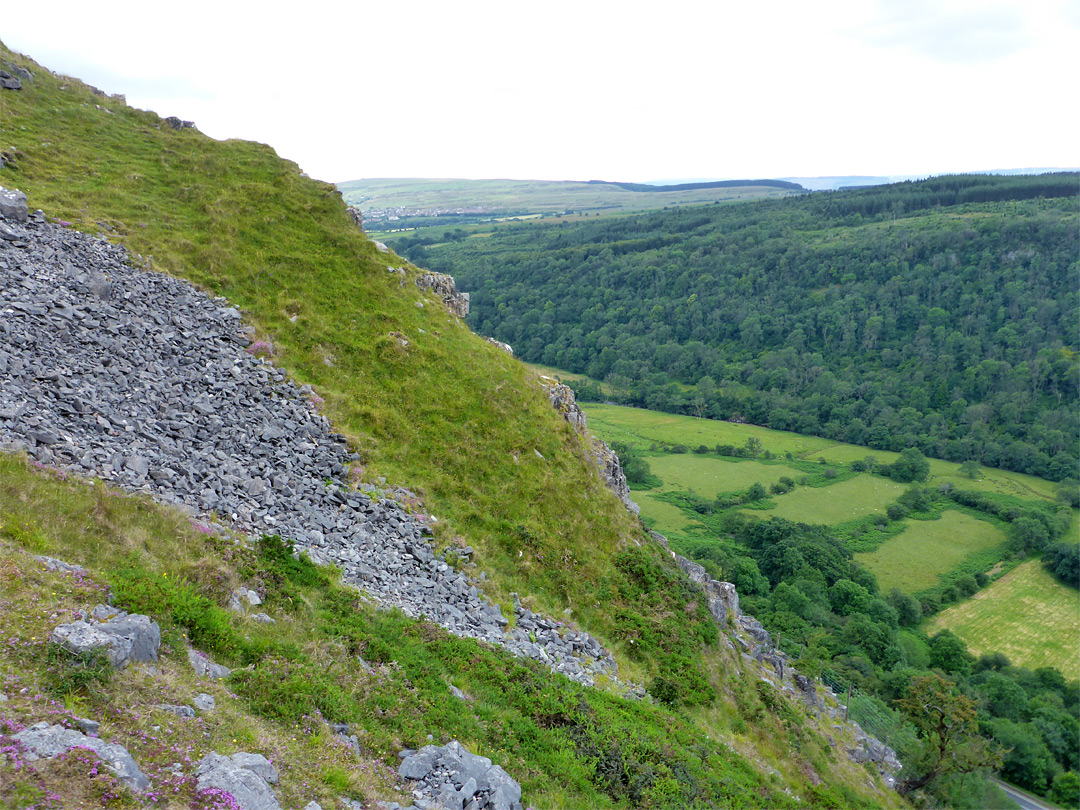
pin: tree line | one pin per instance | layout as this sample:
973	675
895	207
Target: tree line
940	314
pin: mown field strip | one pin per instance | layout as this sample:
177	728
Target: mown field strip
1028	615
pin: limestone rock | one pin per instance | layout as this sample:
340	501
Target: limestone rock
43	741
457	303
12	205
246	776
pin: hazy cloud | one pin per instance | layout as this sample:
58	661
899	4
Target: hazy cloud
949	32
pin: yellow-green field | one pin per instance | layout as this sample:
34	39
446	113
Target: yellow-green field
915	558
708	476
838	503
661	516
1028	615
640	427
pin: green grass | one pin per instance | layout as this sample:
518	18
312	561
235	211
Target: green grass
304	672
847	500
708	476
642	428
1027	614
915	559
661	516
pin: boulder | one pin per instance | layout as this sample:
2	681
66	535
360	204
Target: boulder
204	667
9	82
13	204
247	777
81	638
43	741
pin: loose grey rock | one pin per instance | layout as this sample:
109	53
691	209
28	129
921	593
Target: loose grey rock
81	638
179	711
451	776
143	381
204	702
43	741
204	667
53	564
243	775
12	204
262	618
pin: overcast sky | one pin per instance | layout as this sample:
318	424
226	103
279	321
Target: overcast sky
592	89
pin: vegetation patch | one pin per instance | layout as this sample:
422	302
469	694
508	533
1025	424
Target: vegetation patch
841	502
1027	614
915	559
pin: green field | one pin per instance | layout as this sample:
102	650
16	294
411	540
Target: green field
926	549
838	503
708	476
532	196
1028	615
641	428
662	516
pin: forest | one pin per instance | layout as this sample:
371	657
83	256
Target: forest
939	314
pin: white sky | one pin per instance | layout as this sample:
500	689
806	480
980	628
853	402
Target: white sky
592	89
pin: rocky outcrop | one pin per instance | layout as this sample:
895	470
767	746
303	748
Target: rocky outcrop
357	216
141	380
175	123
43	741
457	303
246	777
124	637
9	82
603	457
450	776
755	642
498	344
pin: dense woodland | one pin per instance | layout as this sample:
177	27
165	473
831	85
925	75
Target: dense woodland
940	314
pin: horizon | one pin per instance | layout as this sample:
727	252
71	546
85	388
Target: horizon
874	88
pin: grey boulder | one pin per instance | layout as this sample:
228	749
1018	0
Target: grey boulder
12	204
243	775
43	741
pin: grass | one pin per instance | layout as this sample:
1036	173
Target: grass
1027	614
708	476
642	428
661	516
569	746
916	558
838	503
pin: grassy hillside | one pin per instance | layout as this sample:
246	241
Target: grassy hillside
451	417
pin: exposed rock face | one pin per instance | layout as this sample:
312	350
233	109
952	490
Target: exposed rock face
43	741
175	123
452	777
755	642
145	382
9	82
357	216
246	776
603	457
124	637
457	303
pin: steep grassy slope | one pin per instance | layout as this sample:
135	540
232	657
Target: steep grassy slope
428	405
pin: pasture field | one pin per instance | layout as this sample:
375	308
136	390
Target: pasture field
1028	615
662	516
533	196
708	476
838	503
915	559
641	428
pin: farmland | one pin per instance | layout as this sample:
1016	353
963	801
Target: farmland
1028	615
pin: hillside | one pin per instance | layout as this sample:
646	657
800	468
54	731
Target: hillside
413	444
940	314
390	203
